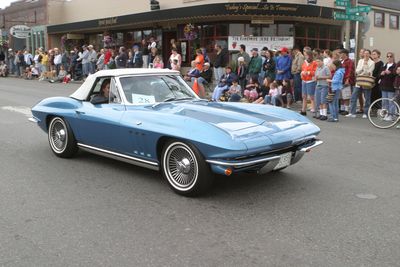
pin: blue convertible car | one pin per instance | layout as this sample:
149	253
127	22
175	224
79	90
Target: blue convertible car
152	118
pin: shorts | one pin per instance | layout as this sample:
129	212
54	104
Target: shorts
321	93
345	93
308	88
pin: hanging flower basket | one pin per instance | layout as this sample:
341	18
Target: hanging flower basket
107	39
190	32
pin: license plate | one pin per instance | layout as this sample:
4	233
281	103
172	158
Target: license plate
284	161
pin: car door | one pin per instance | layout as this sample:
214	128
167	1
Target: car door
99	124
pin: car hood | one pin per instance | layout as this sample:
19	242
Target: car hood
252	124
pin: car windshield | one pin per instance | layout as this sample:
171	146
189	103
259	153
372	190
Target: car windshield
155	88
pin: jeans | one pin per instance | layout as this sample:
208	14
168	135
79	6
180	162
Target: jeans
385	104
86	69
218	92
218	72
334	105
297	87
354	98
271	99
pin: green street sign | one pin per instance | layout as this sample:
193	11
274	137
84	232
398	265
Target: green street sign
358	9
344	16
345	3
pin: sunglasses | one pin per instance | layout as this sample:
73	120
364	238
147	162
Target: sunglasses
389	56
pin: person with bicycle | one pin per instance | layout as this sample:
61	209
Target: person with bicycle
388	75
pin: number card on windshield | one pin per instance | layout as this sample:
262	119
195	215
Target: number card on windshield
143	99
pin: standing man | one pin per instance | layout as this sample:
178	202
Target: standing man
255	64
283	65
92	59
11	58
296	70
145	53
137	58
348	82
84	57
122	58
220	62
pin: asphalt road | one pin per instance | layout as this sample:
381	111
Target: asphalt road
339	206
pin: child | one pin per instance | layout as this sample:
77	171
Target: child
252	90
28	73
286	93
336	86
235	92
34	72
61	75
175	65
273	94
321	92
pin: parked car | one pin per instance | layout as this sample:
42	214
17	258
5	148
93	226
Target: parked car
152	118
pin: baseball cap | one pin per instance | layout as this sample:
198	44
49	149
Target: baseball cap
255	49
10	49
206	64
284	49
240	59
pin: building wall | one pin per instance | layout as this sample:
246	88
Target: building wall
384	38
74	11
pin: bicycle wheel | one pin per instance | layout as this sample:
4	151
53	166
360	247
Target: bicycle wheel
384	113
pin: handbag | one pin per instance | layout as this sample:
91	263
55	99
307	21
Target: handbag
365	81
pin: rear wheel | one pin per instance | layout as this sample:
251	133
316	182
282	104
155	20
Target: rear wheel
185	169
61	138
384	113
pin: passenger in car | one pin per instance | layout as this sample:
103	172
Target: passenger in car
104	96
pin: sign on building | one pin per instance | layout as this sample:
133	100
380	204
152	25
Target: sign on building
20	31
272	42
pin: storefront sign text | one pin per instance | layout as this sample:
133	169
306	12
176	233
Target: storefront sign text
272	42
251	8
107	22
20	31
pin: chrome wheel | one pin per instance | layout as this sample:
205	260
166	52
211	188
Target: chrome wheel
180	166
58	135
61	138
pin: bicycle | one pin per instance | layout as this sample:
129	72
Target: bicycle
385	112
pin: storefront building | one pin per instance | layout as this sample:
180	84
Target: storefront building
33	16
196	24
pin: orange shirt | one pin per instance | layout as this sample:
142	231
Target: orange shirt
200	62
308	71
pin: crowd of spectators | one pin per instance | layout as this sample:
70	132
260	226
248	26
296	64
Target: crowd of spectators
321	80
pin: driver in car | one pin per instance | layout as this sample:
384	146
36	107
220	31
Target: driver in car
104	96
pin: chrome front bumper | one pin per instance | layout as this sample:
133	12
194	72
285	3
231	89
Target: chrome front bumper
264	164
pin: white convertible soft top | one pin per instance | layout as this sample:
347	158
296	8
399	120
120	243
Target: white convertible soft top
82	92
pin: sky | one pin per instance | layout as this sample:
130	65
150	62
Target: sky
5	3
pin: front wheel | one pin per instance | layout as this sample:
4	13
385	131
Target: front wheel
185	169
61	138
384	113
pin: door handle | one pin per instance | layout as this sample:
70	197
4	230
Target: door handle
79	112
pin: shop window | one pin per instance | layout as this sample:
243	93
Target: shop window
269	30
312	43
208	31
394	22
334	33
300	31
236	29
312	32
253	30
323	32
285	29
221	30
323	44
379	19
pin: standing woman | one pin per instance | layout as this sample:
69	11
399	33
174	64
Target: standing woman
388	75
365	67
269	65
175	55
375	91
308	70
